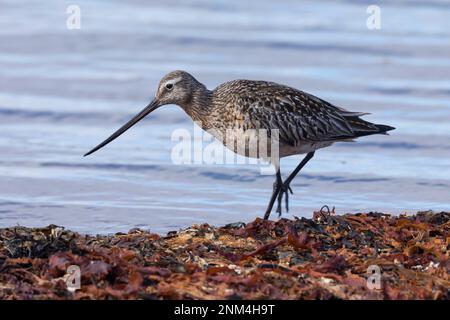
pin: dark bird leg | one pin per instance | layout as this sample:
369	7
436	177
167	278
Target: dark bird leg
284	190
276	189
286	185
299	167
281	188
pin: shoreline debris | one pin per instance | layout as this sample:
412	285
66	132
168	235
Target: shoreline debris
353	256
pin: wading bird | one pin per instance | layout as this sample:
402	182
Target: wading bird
304	123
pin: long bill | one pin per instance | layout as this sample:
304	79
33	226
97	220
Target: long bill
148	109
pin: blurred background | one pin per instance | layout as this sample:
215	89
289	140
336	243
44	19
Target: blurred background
63	90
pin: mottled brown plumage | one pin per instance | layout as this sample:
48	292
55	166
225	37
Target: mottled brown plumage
304	122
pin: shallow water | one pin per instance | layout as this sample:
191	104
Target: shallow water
63	91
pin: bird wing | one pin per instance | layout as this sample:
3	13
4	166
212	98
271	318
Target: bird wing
299	116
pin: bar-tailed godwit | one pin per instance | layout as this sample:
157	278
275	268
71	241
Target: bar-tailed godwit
304	123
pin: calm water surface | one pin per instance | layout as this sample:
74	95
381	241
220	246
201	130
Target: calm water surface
63	91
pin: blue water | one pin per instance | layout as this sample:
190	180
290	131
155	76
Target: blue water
63	91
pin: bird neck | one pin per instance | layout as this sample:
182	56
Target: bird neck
200	105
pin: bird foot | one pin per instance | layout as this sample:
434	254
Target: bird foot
284	190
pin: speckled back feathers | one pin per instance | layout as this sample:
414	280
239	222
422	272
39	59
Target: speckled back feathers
248	104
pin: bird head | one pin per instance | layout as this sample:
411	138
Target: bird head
176	87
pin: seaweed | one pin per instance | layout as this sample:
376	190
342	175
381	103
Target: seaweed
327	257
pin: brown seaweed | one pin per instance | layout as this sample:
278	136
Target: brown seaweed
327	257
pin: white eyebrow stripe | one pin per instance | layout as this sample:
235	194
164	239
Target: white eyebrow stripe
173	81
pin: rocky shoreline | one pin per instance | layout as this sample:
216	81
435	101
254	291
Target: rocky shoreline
351	256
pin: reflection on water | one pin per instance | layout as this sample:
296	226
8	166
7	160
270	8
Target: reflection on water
63	91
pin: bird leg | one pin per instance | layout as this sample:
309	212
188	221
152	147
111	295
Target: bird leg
280	187
276	189
299	167
284	190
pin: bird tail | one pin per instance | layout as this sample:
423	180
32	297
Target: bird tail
359	127
362	128
383	129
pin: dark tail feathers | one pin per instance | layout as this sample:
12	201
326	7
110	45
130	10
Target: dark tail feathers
383	128
361	128
376	129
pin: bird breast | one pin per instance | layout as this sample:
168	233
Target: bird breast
251	143
261	144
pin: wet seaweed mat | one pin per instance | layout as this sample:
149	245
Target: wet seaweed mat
352	256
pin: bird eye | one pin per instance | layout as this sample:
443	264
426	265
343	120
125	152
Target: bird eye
169	86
